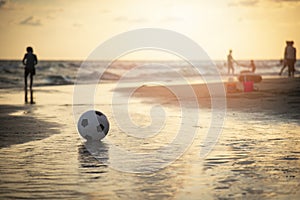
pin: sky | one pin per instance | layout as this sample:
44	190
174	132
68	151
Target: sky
72	29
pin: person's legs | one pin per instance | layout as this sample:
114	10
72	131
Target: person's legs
284	66
293	67
25	85
30	87
290	66
230	68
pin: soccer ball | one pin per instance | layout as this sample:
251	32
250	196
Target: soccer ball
93	125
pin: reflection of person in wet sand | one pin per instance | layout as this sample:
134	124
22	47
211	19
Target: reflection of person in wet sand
29	60
230	62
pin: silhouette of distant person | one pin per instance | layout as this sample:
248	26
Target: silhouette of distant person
29	60
290	57
252	66
230	62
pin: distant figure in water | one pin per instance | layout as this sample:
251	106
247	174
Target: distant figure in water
29	60
252	66
290	57
230	62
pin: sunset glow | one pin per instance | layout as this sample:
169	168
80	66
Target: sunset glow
57	29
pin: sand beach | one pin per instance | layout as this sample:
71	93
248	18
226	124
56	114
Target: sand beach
257	155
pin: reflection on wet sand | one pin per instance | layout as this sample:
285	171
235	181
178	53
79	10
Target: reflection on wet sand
93	160
257	155
256	162
19	125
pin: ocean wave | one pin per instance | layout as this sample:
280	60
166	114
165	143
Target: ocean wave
65	72
58	80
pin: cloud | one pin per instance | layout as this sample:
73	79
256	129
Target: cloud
255	2
287	1
105	11
77	25
248	3
168	19
121	19
173	19
2	3
31	21
132	20
10	5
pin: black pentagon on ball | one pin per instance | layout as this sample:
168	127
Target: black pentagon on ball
99	113
84	122
100	128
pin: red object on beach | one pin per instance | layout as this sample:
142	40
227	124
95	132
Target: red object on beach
248	86
256	78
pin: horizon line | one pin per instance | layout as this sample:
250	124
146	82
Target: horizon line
128	60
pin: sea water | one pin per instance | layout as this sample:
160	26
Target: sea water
256	157
65	72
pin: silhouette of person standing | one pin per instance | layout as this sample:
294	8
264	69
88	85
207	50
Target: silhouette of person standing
29	60
230	62
290	57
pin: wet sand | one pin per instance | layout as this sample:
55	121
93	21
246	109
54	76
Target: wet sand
279	95
23	127
257	155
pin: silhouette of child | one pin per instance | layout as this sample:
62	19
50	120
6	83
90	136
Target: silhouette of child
230	62
252	65
29	60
